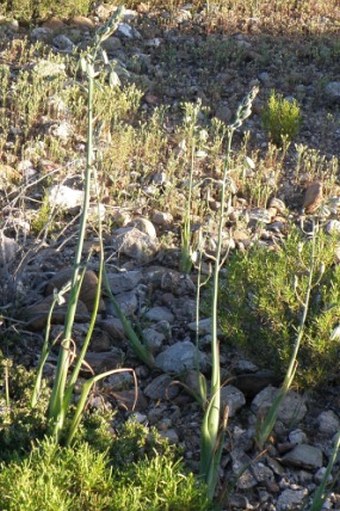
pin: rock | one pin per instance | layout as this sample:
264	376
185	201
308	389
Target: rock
320	474
252	383
180	357
223	112
100	340
278	204
135	244
171	435
54	24
333	227
290	500
232	398
262	472
161	388
128	303
204	326
313	197
8	249
238	501
328	423
63	44
184	309
159	314
260	215
144	225
114	328
124	280
162	218
264	78
304	456
105	360
291	411
332	92
158	178
128	31
141	418
240	463
153	339
171	281
119	381
36	314
88	288
111	44
191	380
297	436
126	399
43	34
81	22
64	197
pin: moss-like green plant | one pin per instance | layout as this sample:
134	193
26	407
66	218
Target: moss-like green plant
18	425
281	118
260	307
80	478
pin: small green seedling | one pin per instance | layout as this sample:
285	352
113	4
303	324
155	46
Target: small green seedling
281	118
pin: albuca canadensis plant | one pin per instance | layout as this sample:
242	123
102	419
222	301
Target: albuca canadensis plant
212	429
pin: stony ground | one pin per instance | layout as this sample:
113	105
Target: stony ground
173	57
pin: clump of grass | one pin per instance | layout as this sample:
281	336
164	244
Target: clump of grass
260	306
281	118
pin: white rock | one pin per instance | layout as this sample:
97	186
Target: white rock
65	197
144	225
128	31
134	243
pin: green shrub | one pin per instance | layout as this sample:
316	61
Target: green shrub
260	310
27	9
281	118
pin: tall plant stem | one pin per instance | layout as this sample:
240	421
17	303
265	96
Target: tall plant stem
215	376
212	436
56	412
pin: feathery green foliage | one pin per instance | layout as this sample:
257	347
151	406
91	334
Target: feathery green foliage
260	311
